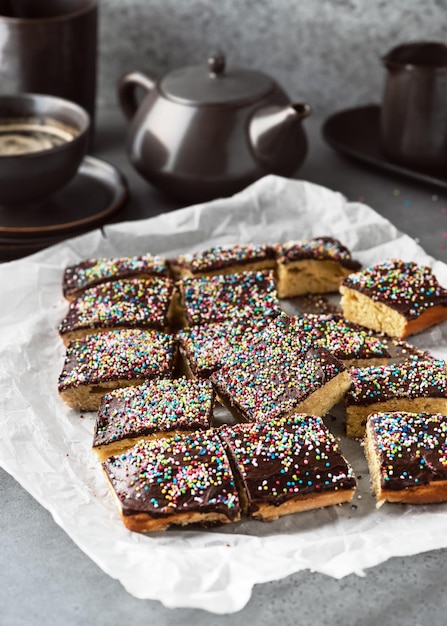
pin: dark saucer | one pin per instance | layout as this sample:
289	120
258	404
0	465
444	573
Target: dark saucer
355	133
91	198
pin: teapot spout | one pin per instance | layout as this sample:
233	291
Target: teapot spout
277	138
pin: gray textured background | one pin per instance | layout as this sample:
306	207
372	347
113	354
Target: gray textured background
324	52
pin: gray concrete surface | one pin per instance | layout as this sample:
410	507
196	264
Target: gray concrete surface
326	52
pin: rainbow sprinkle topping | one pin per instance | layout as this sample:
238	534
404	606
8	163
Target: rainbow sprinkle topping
206	347
344	339
412	448
223	256
156	406
405	286
410	379
94	271
117	355
162	477
137	302
217	298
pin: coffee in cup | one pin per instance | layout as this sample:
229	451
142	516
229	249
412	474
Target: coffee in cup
27	135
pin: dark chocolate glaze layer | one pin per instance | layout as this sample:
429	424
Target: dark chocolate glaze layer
283	459
117	355
411	447
410	379
131	303
319	249
180	475
157	406
90	272
406	287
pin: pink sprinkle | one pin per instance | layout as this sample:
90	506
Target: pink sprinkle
444	210
444	235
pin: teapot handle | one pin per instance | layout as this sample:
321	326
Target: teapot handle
127	91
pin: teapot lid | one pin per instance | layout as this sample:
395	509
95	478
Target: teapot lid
213	85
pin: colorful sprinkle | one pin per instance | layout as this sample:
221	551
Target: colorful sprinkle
117	355
186	474
156	406
137	302
406	286
91	272
223	256
236	296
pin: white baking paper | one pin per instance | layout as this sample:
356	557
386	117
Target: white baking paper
47	447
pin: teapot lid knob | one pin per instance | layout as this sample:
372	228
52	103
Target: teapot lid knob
215	84
216	64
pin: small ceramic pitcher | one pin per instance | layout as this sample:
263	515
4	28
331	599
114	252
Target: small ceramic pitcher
414	108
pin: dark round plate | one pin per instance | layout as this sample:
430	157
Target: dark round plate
355	133
96	193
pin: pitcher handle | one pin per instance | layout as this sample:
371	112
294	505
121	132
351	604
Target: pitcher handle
127	91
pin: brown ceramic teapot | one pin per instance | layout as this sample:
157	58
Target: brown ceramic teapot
207	131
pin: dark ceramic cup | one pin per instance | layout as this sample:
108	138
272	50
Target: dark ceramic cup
413	129
50	47
43	140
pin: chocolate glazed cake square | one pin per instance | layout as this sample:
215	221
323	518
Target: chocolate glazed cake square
407	457
395	297
157	408
99	363
287	465
280	374
179	481
130	303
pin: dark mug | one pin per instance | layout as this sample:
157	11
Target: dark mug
413	129
50	47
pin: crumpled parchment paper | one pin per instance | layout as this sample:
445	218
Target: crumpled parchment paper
47	447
